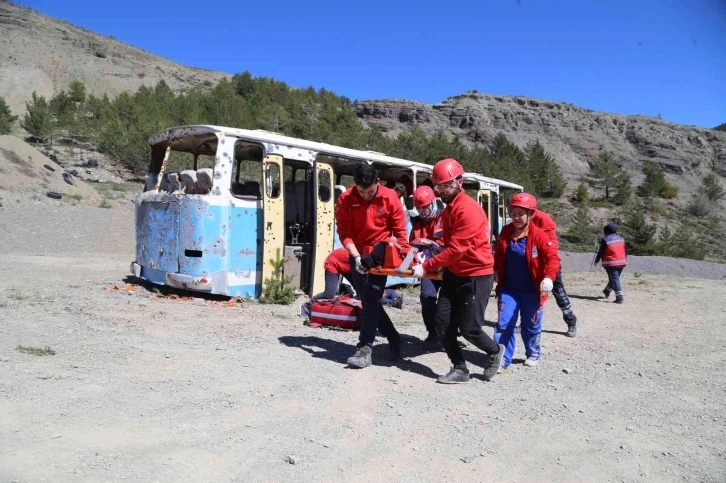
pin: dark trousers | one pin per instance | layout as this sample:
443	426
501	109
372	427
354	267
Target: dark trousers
370	291
563	301
461	306
332	285
614	280
428	297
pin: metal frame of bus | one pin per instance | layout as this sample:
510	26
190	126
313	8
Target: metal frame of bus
211	259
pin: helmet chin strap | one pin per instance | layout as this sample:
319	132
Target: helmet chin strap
431	211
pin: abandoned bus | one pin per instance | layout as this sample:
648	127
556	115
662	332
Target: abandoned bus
219	203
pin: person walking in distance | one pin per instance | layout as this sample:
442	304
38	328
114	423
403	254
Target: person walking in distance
367	214
427	234
545	222
614	259
526	263
468	277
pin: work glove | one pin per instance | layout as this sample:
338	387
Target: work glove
546	285
418	271
359	265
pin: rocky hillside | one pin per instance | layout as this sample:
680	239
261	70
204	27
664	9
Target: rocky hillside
44	54
573	135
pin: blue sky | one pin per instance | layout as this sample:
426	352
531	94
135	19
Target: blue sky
649	57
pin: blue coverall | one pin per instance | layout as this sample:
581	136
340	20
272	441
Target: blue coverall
518	295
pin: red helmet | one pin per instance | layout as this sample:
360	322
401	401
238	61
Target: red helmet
524	200
423	196
446	170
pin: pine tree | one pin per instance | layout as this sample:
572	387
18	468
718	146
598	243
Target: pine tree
711	188
6	118
605	172
581	231
623	189
276	289
38	120
638	233
544	172
582	194
655	183
77	91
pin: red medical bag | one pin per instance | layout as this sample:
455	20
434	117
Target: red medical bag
343	312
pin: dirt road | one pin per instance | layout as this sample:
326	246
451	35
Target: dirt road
144	389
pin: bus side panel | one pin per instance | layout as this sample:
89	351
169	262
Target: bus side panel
245	249
157	228
202	238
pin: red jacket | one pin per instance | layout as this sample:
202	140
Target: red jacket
338	262
467	250
545	222
365	223
432	229
542	259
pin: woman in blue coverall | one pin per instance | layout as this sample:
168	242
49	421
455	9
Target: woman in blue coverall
526	263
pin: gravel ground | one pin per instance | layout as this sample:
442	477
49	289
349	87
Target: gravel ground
147	388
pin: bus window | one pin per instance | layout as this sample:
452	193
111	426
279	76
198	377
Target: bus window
247	172
324	186
272	178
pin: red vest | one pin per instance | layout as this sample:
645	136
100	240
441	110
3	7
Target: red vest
614	255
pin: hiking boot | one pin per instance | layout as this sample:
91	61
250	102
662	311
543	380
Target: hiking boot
457	375
618	300
361	358
495	361
531	362
398	303
572	330
394	346
606	292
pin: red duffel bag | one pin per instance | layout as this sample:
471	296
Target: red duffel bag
343	312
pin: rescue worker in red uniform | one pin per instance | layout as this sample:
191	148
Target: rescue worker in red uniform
367	214
337	265
545	222
427	234
526	263
468	277
614	259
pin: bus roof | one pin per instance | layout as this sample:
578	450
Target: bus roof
270	137
498	182
262	136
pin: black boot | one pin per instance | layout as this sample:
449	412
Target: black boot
395	349
571	321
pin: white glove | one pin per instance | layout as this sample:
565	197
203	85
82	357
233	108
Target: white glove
358	266
418	271
546	285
